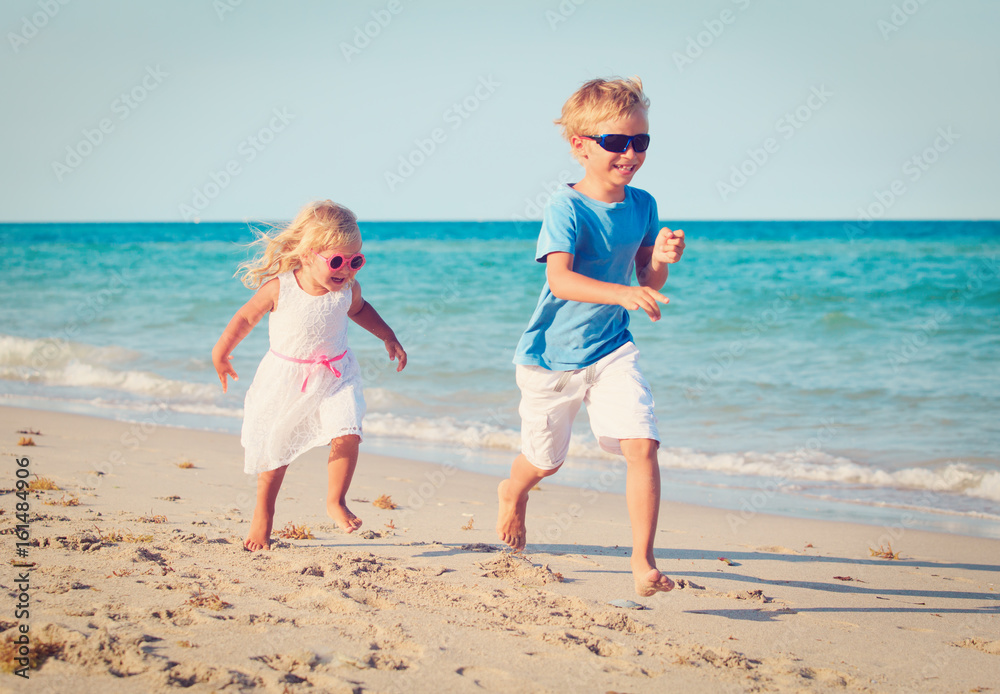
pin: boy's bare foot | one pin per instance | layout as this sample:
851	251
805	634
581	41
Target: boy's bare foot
347	521
510	519
649	581
259	536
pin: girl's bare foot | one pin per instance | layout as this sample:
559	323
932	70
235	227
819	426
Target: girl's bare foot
648	580
510	519
347	521
259	536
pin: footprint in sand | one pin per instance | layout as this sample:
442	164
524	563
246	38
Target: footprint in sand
519	570
984	645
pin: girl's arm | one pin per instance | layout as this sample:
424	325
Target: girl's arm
365	315
240	326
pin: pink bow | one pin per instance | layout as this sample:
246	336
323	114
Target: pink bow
318	362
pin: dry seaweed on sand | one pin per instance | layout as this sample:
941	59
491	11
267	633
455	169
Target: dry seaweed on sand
30	432
884	552
468	526
25	441
66	500
211	602
38	653
42	484
385	501
158	518
295	532
185	465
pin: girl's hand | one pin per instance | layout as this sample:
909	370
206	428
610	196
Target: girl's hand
669	246
224	368
646	298
266	299
396	351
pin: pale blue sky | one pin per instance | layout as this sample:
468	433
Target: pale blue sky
874	91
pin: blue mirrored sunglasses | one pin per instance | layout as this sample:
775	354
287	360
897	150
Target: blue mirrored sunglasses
620	143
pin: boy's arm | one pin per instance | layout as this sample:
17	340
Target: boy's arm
365	315
239	327
572	286
651	262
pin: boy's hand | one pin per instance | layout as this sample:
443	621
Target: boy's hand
224	368
633	298
669	246
396	351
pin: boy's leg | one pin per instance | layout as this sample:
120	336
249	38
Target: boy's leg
513	494
623	419
549	402
340	470
642	495
268	484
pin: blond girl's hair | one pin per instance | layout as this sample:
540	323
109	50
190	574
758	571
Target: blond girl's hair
598	101
318	226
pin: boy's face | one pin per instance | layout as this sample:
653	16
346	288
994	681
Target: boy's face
611	170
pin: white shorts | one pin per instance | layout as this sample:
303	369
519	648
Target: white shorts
618	401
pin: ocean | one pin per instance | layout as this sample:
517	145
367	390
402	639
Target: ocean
812	369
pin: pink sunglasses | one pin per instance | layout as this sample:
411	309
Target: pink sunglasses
337	261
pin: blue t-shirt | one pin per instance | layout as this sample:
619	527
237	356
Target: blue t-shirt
603	238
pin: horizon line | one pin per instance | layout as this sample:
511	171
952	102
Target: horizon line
499	221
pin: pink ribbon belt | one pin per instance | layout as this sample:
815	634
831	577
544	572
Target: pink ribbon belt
318	362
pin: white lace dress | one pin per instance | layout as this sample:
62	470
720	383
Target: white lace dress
297	400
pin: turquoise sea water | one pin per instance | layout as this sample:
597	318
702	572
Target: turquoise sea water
808	368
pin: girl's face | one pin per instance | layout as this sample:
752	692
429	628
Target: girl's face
317	272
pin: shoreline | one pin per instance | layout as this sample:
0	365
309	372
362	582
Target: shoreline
742	496
432	601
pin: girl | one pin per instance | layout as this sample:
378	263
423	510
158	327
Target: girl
307	390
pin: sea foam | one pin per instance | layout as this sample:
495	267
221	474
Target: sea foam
786	467
55	362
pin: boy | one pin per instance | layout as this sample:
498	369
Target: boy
577	348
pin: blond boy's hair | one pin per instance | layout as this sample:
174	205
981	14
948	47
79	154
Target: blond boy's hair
598	101
318	226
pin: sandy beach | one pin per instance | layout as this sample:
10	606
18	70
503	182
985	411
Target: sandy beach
137	581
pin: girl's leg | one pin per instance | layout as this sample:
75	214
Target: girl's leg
340	471
642	495
268	484
513	494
